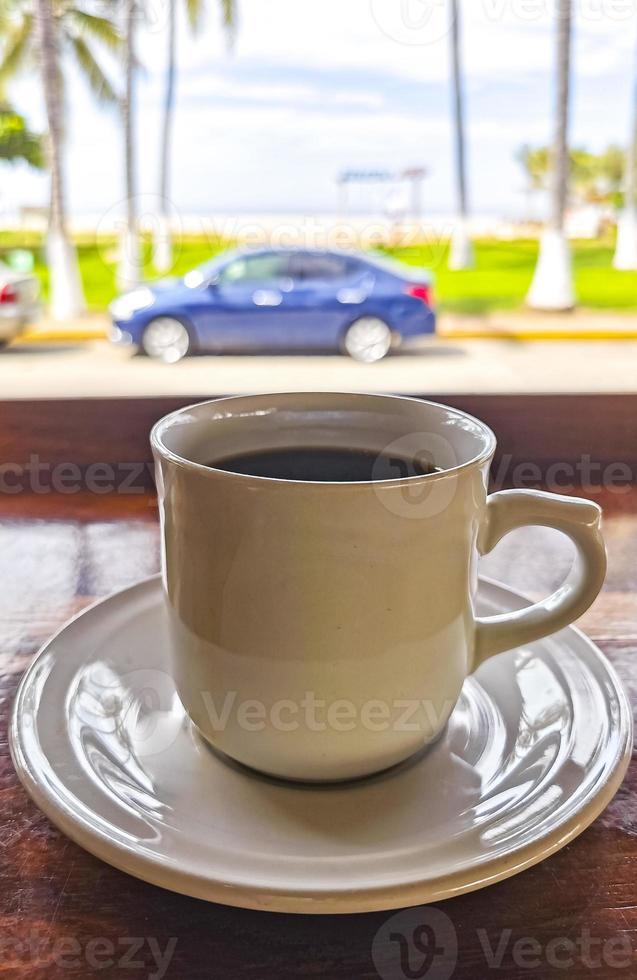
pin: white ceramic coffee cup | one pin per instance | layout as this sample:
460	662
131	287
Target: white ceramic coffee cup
323	631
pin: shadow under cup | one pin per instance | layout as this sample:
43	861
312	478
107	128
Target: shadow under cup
320	630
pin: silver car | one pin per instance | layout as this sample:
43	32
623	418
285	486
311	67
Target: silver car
19	305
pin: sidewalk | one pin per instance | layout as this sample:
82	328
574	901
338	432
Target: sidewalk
508	325
99	369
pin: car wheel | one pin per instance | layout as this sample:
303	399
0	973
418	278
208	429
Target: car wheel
166	339
368	339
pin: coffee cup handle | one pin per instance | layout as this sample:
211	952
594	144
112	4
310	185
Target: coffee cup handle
580	520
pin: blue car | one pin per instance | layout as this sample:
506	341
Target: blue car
277	299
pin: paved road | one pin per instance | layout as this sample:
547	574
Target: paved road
459	366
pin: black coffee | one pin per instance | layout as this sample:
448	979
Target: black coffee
325	465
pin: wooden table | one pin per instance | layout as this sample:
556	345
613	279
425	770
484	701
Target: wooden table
65	914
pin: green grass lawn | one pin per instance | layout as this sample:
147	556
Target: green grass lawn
500	280
504	271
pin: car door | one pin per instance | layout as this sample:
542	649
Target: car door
247	302
327	290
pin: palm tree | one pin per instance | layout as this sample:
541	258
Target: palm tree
162	251
17	141
39	36
461	254
626	250
129	266
552	286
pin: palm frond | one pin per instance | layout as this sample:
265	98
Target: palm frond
101	29
17	141
5	17
229	19
229	15
92	72
16	50
194	13
11	11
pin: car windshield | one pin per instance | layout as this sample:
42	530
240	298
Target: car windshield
210	268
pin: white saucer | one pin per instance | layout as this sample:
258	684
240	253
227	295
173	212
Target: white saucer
534	751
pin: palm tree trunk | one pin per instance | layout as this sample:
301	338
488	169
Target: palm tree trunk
552	286
162	250
461	255
129	262
561	159
631	161
458	106
626	249
51	83
129	113
66	291
169	104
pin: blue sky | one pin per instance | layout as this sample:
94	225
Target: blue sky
311	89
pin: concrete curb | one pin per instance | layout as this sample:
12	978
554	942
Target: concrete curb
61	335
487	332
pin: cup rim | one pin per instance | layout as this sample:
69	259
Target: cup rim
161	449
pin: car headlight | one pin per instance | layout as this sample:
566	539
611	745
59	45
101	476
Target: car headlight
125	306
